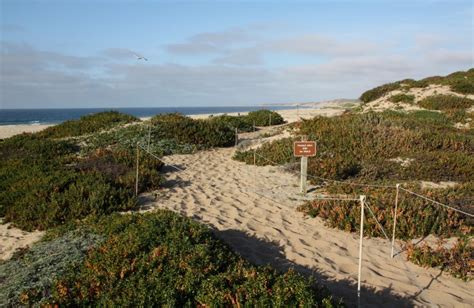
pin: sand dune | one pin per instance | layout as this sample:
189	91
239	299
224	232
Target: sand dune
253	209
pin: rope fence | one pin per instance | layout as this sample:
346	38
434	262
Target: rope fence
362	199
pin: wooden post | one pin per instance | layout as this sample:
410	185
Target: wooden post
362	201
270	119
236	136
304	171
149	137
138	162
254	129
395	218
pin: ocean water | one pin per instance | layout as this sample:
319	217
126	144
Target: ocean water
53	116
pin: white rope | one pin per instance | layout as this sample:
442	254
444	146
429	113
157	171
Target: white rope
336	181
380	226
438	203
156	157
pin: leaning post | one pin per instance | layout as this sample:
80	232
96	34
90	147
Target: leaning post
395	219
136	179
362	205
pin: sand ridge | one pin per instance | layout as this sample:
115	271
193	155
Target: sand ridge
254	210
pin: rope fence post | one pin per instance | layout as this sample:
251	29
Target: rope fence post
236	136
362	201
395	218
149	137
254	129
138	161
270	119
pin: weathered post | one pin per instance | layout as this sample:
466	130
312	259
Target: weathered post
149	137
254	129
236	136
270	119
395	219
304	171
304	149
362	205
138	162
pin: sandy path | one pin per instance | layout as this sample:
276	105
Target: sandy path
253	209
13	238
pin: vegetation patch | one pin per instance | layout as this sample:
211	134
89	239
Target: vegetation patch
31	273
361	146
242	123
416	217
459	82
163	259
88	124
402	98
378	92
185	130
264	117
456	260
446	102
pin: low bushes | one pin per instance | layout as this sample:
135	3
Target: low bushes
163	259
364	146
446	102
460	82
416	217
185	130
402	98
378	92
28	276
43	183
88	124
264	118
240	122
455	260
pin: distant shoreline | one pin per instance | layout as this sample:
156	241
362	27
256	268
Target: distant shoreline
290	115
57	116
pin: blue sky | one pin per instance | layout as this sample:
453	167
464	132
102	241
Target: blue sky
57	54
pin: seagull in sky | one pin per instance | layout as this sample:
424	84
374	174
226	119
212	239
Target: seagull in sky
140	57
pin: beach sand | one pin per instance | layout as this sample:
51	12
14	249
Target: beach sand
6	131
253	209
12	239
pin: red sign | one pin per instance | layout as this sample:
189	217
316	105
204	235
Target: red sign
304	148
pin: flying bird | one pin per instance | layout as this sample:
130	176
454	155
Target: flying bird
140	57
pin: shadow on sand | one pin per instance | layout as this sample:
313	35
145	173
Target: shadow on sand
261	252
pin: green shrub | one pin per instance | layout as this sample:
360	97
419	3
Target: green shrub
277	152
29	275
185	130
46	184
378	92
264	118
163	259
460	82
361	146
240	122
446	102
416	217
463	86
88	124
402	98
455	260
